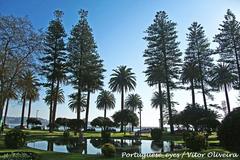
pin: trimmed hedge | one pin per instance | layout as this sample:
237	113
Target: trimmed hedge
156	134
108	150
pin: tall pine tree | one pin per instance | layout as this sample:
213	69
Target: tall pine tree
163	50
53	61
229	43
199	52
85	66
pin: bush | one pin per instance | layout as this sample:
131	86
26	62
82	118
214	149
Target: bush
229	131
15	138
66	134
36	128
108	150
195	141
18	156
156	134
105	134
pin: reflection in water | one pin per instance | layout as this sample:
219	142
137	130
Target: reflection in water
93	146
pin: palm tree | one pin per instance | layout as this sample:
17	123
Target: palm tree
122	80
223	78
190	74
27	82
56	94
157	101
105	100
134	102
32	96
10	93
73	103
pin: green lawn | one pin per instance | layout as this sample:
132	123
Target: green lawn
46	155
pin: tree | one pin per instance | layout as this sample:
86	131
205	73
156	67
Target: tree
228	41
198	117
62	122
54	60
27	83
162	50
85	66
102	122
105	100
19	45
76	125
33	95
198	52
134	102
34	121
190	73
73	103
124	117
157	101
122	80
59	96
10	93
223	78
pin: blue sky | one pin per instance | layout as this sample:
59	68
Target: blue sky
118	27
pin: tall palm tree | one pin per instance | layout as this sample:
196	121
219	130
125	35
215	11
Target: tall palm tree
122	80
105	100
32	96
223	78
10	93
56	94
157	101
27	82
73	103
190	74
134	102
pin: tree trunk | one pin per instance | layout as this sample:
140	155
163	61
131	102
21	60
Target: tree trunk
87	110
29	110
193	94
227	99
78	102
168	95
51	108
105	111
160	107
122	107
140	114
55	102
23	110
5	114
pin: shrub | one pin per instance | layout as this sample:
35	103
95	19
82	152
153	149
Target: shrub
108	150
66	134
105	134
18	156
195	141
15	138
156	134
229	131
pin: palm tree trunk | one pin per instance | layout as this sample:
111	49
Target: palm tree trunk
105	111
55	102
140	116
23	110
122	106
227	99
29	110
5	114
161	106
87	110
193	94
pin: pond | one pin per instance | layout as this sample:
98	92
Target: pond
93	146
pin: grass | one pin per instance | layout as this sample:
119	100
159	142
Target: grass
47	155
